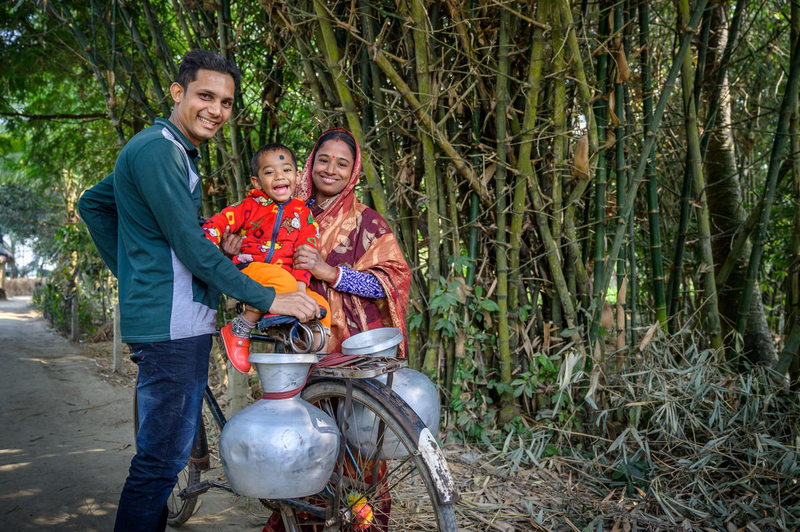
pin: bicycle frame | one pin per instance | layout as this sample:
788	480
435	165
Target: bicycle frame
427	448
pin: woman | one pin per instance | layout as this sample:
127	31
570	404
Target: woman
359	267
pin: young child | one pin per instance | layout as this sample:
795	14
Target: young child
273	224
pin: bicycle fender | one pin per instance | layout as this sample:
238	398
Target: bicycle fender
432	455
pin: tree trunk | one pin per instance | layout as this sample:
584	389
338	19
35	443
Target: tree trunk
724	194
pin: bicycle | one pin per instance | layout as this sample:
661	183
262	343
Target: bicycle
421	491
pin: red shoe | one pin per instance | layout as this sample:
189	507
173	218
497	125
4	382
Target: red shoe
237	349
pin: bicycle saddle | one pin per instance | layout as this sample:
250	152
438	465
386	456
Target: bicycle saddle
275	320
300	336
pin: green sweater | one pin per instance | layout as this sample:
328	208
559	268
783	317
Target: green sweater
144	220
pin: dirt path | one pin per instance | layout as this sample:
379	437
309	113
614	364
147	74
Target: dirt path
66	438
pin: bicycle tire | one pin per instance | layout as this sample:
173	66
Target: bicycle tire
180	510
414	503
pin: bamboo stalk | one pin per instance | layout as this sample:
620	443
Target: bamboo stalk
421	32
148	62
507	410
306	55
624	279
163	54
239	174
746	230
793	292
623	214
680	246
534	83
601	109
138	92
178	10
86	52
330	50
529	174
695	161
781	136
583	87
653	214
430	127
389	154
559	144
585	99
715	98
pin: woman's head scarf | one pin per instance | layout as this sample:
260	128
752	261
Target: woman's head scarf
355	236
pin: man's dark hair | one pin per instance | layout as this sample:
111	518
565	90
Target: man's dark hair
255	162
203	59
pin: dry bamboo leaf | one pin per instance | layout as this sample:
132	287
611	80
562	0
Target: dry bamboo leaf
488	173
580	164
623	72
648	336
623	290
527	346
504	526
611	139
620	344
613	119
607	320
621	293
594	382
403	176
461	289
546	334
461	345
112	99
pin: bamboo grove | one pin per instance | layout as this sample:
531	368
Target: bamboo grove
566	178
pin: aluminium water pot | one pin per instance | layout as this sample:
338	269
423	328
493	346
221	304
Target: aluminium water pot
279	448
421	395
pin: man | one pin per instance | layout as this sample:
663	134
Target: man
143	219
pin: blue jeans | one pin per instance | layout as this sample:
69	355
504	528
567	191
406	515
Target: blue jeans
172	377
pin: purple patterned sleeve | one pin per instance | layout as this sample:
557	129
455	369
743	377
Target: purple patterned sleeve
362	284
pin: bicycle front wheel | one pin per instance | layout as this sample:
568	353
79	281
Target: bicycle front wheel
396	489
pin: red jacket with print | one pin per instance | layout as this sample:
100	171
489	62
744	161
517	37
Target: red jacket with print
271	231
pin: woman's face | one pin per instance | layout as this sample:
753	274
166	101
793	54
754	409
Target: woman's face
333	164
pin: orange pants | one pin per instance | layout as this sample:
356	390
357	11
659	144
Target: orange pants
283	283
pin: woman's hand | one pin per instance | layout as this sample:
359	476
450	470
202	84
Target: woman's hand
230	244
308	258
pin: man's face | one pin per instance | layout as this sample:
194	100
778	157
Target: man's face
204	106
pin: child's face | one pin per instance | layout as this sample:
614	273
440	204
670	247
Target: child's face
277	175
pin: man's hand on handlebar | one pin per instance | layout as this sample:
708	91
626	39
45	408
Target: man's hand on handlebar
295	304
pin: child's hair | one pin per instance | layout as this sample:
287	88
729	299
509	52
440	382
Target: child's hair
255	162
203	59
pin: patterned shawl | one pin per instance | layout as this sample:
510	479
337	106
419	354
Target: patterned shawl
355	236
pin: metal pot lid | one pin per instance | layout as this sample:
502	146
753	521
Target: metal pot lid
372	341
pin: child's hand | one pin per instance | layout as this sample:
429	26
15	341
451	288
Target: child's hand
308	258
230	244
